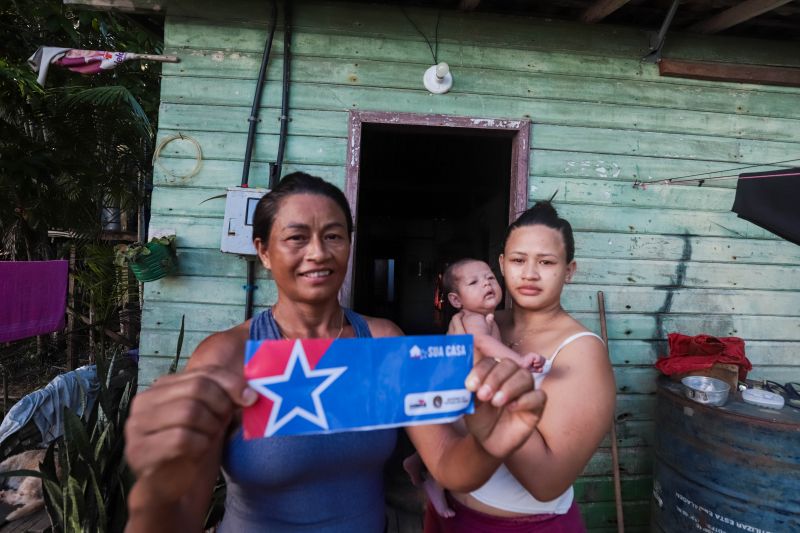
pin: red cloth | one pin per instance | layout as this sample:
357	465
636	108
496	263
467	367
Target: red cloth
33	298
469	520
701	352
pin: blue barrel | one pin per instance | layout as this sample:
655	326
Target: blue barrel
731	469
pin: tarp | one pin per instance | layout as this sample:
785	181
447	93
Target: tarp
771	200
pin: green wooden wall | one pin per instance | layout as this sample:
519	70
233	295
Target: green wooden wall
669	258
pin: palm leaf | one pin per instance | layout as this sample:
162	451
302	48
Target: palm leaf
111	96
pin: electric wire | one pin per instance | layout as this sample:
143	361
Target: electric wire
434	52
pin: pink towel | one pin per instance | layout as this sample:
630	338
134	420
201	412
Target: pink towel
33	298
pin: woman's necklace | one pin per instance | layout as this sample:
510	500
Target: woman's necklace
283	335
517	342
525	335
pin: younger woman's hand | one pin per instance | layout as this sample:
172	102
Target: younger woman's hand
507	410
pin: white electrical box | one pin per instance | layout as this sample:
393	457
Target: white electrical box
237	227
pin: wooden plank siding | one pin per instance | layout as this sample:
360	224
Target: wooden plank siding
668	258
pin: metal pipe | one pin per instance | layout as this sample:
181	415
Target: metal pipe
253	119
284	118
657	40
249	288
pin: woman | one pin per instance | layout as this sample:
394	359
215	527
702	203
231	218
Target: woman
532	491
185	426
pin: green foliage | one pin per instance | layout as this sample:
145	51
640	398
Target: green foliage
124	254
89	494
82	143
101	280
88	490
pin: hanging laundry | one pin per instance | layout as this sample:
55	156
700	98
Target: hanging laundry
33	296
84	61
769	200
75	390
701	352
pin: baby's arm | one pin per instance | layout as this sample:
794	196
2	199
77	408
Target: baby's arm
476	324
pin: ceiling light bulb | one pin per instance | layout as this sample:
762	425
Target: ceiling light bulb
442	70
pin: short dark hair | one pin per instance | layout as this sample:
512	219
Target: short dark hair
543	213
449	276
291	184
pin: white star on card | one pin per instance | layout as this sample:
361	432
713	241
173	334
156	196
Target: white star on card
318	417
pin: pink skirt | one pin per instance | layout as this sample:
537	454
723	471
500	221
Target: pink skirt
469	520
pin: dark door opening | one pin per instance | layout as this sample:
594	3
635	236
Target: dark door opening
427	196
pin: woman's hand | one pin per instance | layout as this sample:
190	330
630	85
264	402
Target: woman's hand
174	426
507	410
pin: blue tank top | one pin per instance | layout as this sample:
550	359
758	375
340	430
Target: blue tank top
322	483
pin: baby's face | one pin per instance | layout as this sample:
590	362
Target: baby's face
477	287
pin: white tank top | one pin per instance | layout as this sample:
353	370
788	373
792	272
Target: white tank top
503	491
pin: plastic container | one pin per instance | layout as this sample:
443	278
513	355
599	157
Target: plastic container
763	398
157	264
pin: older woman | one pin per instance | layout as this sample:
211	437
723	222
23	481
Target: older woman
185	426
532	490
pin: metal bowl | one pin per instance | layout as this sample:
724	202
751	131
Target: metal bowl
706	390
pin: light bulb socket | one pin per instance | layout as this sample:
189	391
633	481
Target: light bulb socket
438	79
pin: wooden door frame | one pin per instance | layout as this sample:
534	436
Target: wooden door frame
518	131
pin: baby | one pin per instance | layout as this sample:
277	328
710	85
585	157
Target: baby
473	290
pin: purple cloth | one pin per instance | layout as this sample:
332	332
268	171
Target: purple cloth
469	520
33	298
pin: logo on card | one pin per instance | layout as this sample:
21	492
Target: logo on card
415	352
420	403
444	401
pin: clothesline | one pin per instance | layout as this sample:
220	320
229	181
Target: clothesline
690	178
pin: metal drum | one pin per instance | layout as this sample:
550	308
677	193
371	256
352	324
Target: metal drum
733	469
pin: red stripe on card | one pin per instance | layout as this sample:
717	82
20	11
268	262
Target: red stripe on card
269	360
315	349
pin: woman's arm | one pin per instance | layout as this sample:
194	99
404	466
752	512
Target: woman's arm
175	434
581	394
507	411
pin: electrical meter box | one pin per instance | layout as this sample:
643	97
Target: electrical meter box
237	227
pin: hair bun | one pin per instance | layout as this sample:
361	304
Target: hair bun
544	207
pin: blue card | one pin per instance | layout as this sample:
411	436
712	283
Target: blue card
324	385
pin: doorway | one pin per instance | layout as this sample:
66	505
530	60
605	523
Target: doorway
428	191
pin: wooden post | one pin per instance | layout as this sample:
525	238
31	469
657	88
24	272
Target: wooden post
91	330
40	348
614	447
5	390
72	362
